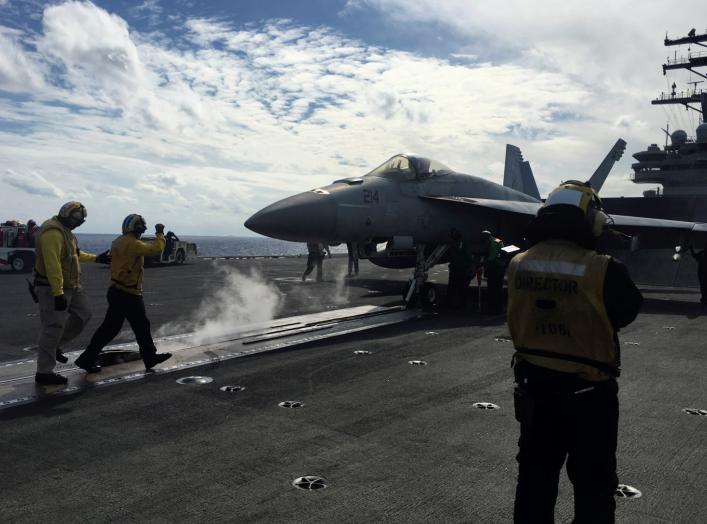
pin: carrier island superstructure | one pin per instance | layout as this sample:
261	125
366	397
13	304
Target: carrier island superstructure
678	171
675	174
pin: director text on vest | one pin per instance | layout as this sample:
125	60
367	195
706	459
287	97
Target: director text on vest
558	285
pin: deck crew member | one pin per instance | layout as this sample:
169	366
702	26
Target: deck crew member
352	250
32	232
125	295
63	306
701	258
494	270
461	270
170	239
316	252
566	305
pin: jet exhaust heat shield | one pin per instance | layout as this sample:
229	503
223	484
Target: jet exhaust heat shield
306	217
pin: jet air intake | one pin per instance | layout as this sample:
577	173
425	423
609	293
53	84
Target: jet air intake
309	216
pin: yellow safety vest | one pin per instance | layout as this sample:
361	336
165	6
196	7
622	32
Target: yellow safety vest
69	256
128	261
556	312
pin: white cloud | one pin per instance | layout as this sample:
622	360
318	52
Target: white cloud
18	70
217	121
32	184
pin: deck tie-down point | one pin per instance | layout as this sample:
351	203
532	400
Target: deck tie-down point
627	492
291	404
310	482
194	380
232	389
485	405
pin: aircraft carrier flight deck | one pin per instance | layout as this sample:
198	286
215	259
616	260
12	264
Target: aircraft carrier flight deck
395	415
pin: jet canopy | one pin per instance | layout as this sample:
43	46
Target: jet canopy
408	167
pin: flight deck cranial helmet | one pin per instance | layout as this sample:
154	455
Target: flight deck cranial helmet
72	214
579	195
134	223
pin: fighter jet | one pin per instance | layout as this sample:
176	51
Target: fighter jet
402	213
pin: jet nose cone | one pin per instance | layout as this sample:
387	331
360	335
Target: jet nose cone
300	218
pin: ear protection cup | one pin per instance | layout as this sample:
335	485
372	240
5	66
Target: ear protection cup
597	219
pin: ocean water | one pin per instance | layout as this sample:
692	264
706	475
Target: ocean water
216	246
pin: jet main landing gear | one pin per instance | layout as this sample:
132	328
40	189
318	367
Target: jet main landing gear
424	292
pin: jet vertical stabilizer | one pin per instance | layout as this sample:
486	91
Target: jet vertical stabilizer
517	173
599	177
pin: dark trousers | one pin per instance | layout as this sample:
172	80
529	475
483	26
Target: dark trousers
494	282
458	285
313	260
353	258
556	423
702	277
122	305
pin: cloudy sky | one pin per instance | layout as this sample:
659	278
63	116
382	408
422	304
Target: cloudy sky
197	114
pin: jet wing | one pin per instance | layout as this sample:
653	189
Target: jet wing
508	206
646	225
633	221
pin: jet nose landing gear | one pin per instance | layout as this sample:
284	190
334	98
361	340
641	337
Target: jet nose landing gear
428	296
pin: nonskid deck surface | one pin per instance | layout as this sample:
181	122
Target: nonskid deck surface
396	441
190	350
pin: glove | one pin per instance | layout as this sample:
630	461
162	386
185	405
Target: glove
159	228
103	258
60	303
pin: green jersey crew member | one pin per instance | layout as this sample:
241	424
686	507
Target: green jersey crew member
566	305
494	270
125	295
63	306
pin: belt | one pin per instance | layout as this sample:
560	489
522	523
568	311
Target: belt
612	371
531	376
118	282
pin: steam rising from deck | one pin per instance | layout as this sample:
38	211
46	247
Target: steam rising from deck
242	300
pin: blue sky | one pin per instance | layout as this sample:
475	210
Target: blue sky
197	114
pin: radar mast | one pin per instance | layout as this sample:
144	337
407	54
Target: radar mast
691	62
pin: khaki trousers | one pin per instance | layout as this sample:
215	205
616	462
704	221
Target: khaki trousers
59	327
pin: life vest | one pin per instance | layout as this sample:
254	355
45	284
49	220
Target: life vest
69	256
126	270
556	312
492	260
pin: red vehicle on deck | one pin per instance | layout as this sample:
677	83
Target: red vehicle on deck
16	246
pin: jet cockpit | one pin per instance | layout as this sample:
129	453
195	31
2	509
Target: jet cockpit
409	167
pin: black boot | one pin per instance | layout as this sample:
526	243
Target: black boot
89	367
155	359
60	357
50	379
